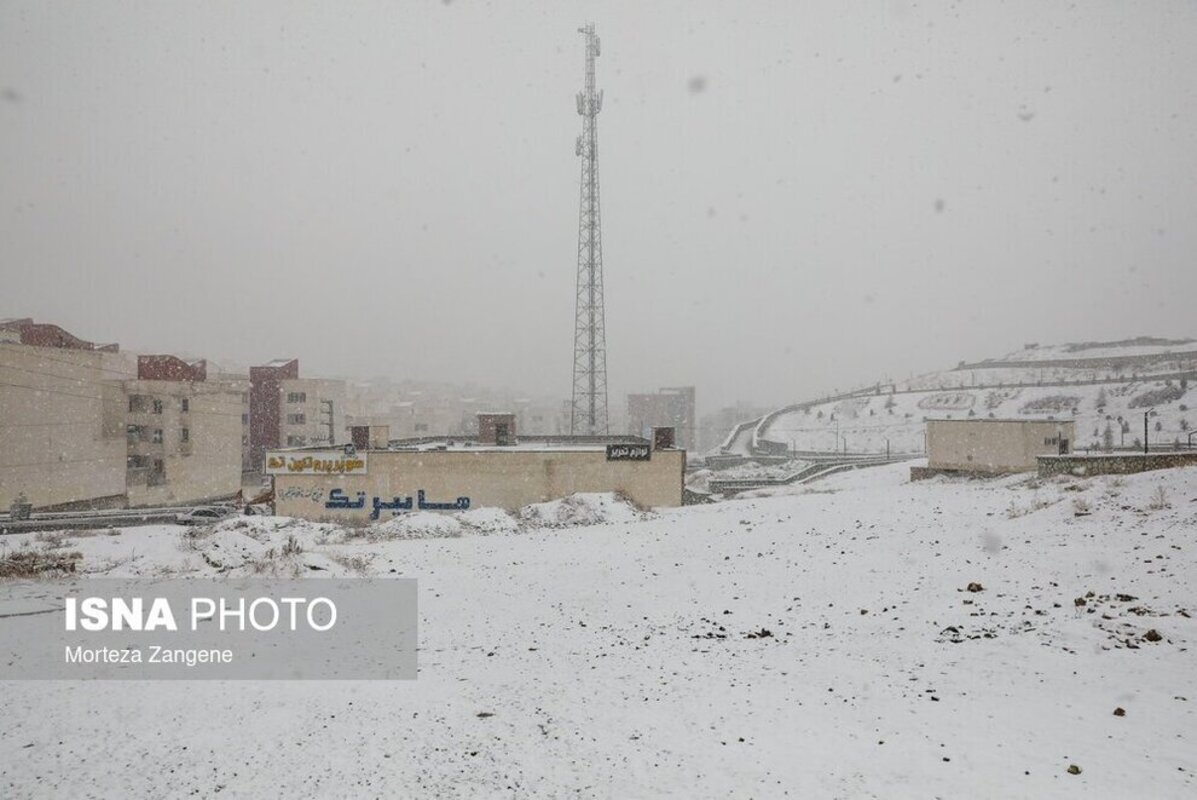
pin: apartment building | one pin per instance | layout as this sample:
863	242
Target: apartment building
183	434
62	417
286	410
87	426
313	412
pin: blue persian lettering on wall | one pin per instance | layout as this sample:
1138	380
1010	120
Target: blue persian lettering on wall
337	499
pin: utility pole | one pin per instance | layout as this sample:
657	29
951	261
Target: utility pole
588	414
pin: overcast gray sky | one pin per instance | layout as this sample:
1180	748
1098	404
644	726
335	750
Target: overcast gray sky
797	196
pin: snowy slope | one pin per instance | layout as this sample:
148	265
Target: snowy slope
631	659
1096	384
864	423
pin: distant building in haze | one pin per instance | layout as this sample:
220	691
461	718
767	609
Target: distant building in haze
669	407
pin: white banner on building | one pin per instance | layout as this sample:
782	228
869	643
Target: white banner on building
315	462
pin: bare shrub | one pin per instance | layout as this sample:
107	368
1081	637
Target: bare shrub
1159	499
192	537
52	539
292	547
268	563
1037	503
624	497
358	564
38	564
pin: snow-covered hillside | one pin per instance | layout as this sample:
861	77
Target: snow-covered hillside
865	423
820	644
1100	386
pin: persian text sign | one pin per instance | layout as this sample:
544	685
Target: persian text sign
228	629
315	462
628	452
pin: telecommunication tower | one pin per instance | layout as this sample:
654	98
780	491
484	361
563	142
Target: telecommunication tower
589	411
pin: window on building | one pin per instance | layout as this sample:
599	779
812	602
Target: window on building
296	441
297	397
137	469
157	406
185	405
185	435
157	436
421	427
296	419
245	419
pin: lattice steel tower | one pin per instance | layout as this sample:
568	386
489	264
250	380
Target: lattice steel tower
589	411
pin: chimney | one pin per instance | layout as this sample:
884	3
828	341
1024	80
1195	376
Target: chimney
496	428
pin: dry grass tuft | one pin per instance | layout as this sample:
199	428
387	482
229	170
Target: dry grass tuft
38	564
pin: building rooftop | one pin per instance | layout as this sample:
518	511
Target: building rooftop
470	444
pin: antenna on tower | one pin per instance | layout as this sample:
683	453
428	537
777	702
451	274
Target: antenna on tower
588	414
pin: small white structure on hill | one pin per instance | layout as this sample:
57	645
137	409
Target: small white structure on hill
992	446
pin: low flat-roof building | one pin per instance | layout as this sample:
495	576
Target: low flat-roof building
458	474
992	446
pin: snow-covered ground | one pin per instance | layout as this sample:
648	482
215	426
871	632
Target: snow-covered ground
699	479
819	644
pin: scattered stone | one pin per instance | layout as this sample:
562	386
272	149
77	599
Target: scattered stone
1152	635
1073	769
975	587
1120	712
484	714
